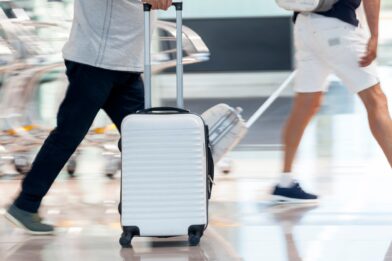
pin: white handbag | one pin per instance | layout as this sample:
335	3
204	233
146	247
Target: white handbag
307	5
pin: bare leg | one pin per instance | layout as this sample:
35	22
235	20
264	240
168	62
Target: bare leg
306	105
379	118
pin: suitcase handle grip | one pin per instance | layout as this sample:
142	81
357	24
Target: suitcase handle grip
163	109
177	5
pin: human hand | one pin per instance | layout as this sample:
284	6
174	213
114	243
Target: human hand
159	4
371	52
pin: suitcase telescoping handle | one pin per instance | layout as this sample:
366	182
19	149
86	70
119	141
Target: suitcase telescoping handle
147	55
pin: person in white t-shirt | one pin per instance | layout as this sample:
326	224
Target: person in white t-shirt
104	62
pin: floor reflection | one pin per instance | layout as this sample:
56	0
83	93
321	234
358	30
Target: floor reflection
192	254
287	216
79	247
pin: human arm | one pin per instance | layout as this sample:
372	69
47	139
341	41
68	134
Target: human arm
372	11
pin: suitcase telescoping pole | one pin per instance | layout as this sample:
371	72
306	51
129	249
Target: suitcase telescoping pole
147	56
270	100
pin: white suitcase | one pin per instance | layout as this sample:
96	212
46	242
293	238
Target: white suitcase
167	167
227	127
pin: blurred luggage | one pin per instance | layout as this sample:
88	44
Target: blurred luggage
227	126
227	129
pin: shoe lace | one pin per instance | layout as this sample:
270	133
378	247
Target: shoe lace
298	186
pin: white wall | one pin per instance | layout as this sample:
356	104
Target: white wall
228	9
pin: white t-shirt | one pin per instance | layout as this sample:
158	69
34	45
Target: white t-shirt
107	34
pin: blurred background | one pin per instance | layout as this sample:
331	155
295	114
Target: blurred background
239	53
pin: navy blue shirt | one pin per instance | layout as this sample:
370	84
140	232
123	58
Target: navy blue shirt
343	10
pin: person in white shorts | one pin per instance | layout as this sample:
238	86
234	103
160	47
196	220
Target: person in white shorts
326	43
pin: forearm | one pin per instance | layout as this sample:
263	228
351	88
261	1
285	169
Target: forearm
372	11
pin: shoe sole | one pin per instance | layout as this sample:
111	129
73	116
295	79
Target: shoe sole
18	224
286	200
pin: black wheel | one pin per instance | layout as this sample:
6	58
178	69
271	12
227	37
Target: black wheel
71	167
126	240
113	164
23	170
195	233
22	165
110	175
71	173
127	236
194	240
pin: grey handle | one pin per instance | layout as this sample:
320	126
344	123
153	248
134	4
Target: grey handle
163	109
147	55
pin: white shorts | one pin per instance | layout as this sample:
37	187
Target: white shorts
327	45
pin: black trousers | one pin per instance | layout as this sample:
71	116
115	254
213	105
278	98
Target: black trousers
90	89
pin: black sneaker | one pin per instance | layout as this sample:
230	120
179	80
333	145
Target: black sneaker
30	222
293	194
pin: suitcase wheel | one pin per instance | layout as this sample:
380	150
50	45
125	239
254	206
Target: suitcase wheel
22	164
126	239
71	167
127	236
110	175
225	166
194	240
194	234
